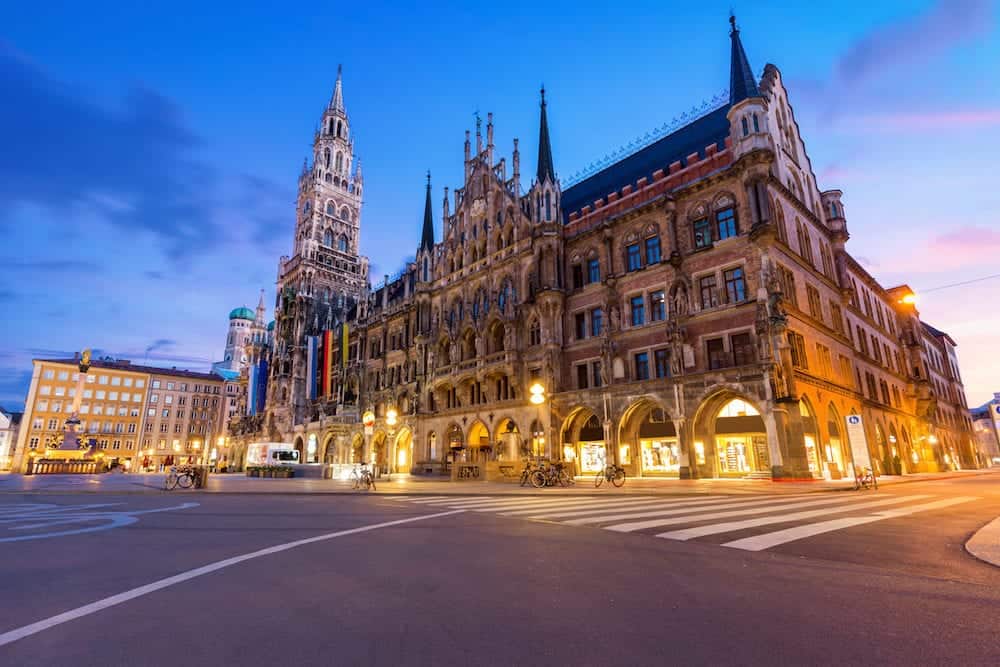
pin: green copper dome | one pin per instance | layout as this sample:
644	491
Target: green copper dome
270	325
243	313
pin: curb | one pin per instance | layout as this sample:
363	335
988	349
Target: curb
985	544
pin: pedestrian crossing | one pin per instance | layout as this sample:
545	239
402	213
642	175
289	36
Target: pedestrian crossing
705	517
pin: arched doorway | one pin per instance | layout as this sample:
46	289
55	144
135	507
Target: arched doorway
896	458
455	440
300	447
508	440
648	441
912	455
810	437
312	449
479	443
358	449
834	449
880	451
583	436
330	449
380	454
740	440
433	450
404	450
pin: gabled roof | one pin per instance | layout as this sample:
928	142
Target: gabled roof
712	128
937	333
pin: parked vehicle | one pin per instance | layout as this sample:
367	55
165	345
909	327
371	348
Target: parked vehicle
271	454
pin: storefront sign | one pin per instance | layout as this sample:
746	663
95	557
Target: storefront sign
859	443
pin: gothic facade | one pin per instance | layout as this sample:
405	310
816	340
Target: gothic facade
690	310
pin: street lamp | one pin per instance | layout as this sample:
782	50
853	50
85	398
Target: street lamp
910	299
368	420
390	421
537	391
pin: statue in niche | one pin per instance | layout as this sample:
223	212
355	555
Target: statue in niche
675	336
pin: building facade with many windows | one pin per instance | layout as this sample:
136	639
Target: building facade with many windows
690	310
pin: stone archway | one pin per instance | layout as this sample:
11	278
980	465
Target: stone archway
583	434
479	446
300	447
380	450
835	451
648	443
732	438
810	436
358	448
403	447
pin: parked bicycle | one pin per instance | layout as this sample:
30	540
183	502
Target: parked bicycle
612	473
866	480
551	475
529	468
179	476
362	478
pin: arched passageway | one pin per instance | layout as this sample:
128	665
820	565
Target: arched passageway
583	441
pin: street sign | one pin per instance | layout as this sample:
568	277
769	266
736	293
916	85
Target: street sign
859	443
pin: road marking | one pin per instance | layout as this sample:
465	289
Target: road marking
631	505
768	540
655	523
591	505
45	515
417	499
114	600
496	500
730	526
757	505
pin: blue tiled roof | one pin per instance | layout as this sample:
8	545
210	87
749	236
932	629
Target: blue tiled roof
226	374
692	138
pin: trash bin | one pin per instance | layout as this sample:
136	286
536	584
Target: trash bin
201	476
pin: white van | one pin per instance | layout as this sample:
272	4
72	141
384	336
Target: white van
272	454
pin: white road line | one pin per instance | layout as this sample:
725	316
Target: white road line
511	508
565	503
768	540
655	523
94	607
730	526
759	506
490	500
419	499
631	505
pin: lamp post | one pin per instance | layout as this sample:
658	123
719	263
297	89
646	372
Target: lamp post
368	420
390	421
537	391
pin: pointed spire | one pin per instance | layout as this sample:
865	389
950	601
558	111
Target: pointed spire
545	170
358	178
427	237
742	83
337	101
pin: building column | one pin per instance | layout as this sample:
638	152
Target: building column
786	440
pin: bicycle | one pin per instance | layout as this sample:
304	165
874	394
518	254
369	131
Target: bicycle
551	476
611	473
362	478
866	480
527	472
179	477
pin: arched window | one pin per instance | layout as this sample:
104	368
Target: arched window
326	157
426	270
330	130
328	238
548	207
534	333
342	243
307	208
328	178
833	209
345	214
340	161
331	208
756	124
340	128
746	126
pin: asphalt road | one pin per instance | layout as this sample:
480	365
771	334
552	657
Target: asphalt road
477	587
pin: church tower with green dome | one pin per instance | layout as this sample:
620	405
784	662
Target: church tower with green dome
326	275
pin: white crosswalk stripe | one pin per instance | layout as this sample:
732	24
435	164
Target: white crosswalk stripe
703	516
768	540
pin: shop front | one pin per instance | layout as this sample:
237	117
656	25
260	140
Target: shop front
740	441
659	448
591	450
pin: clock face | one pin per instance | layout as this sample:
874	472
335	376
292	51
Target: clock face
243	358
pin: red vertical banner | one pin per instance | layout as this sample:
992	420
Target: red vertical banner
327	362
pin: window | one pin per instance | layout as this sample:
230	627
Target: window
736	289
595	368
788	285
49	374
653	250
63	375
743	349
657	306
116	381
642	366
825	360
725	223
638	311
596	321
166	414
581	376
534	333
798	349
633	257
709	295
156	384
815	304
151	412
837	316
716	351
153	398
661	360
702	233
580	320
577	272
45	390
593	270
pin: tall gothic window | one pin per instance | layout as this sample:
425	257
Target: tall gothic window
342	243
328	238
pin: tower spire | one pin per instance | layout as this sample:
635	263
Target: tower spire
427	237
545	170
337	101
742	83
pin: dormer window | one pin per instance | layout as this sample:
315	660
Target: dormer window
746	126
756	124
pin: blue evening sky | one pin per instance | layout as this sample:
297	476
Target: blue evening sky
150	150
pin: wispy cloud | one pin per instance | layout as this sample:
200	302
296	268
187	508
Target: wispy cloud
160	344
906	121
